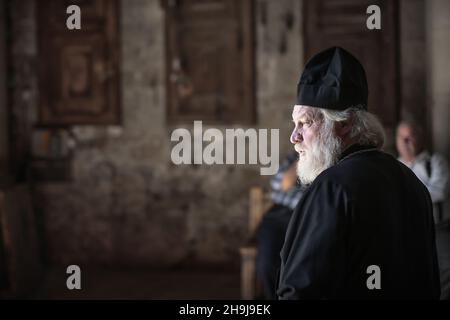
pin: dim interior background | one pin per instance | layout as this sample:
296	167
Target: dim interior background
86	117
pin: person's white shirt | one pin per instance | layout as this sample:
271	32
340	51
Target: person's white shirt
433	171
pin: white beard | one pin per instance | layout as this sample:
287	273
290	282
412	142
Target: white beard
321	154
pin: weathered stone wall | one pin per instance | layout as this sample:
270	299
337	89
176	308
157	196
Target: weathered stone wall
438	78
438	93
127	203
424	80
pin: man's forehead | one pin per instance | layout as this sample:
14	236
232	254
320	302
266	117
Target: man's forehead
404	129
302	111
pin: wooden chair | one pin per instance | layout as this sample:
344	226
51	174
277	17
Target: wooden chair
259	202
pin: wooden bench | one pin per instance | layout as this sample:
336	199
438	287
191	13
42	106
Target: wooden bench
259	203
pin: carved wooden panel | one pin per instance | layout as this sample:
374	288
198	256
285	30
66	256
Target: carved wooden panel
343	23
79	69
210	63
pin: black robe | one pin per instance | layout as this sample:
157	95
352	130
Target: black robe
368	209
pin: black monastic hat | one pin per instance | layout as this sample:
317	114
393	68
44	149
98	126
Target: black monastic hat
333	79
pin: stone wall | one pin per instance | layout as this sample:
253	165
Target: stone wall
424	80
438	90
127	203
438	78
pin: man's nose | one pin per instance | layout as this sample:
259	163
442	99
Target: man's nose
296	136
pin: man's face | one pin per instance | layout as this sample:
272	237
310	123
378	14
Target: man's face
407	144
306	129
317	145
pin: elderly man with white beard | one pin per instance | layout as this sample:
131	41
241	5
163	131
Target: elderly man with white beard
364	226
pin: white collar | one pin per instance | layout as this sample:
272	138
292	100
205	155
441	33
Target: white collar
423	156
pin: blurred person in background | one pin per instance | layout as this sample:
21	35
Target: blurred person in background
431	168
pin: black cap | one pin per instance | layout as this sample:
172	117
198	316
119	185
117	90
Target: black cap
333	79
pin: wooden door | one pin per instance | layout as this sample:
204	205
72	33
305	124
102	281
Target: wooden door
343	23
79	69
4	109
210	64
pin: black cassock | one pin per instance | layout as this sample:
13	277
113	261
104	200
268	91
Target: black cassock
367	210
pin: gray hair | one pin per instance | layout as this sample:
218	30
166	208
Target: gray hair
366	127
